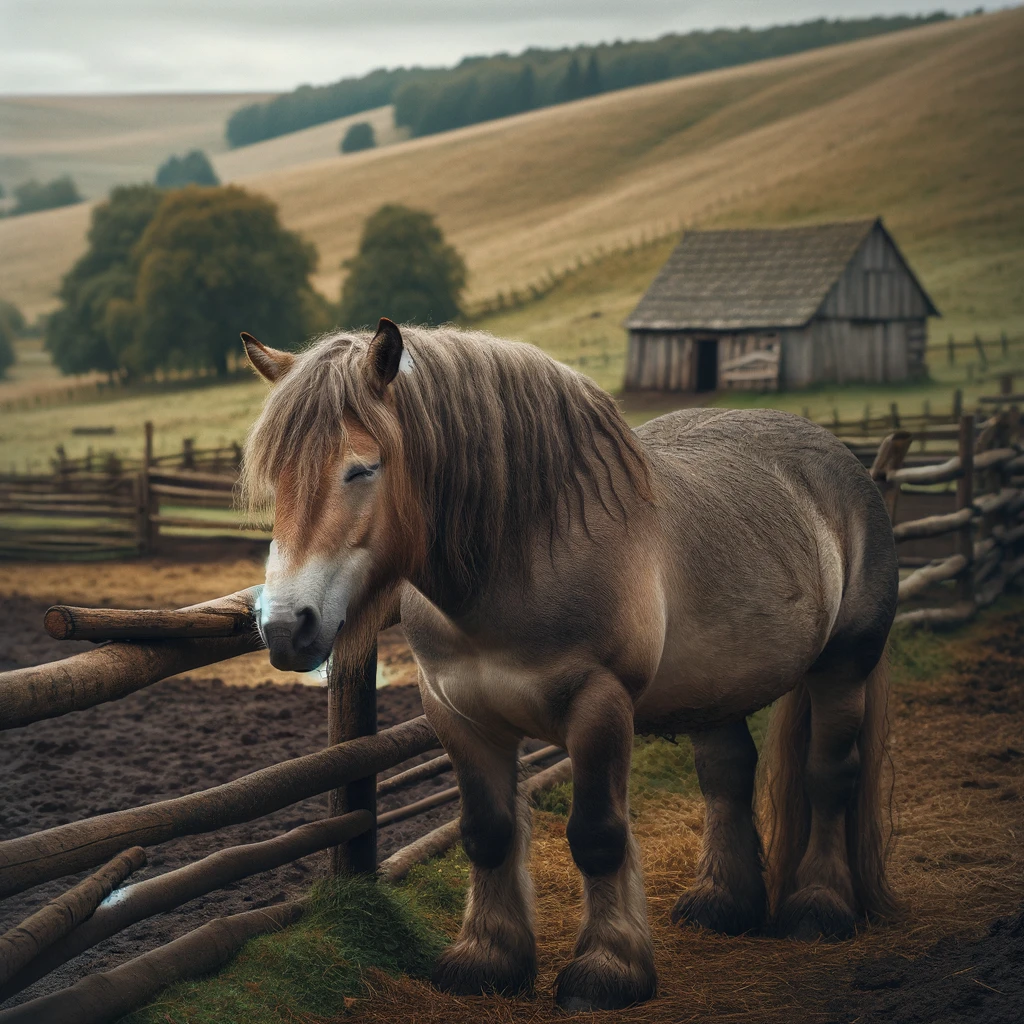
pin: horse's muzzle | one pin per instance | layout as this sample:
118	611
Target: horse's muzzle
292	639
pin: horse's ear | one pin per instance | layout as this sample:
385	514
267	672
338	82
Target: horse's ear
270	363
384	355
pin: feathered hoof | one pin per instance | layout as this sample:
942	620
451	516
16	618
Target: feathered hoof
815	913
467	970
719	910
601	981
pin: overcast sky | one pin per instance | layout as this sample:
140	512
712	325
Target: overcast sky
226	45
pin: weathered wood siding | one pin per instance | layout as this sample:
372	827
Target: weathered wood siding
875	286
659	361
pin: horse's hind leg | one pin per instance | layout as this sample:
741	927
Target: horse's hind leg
495	950
613	962
730	893
822	901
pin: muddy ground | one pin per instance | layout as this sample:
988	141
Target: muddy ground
958	865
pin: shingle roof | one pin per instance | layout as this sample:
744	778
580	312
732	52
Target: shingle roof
729	280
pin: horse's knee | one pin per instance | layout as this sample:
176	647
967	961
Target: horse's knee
597	847
487	836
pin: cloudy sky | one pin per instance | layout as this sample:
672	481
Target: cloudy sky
202	45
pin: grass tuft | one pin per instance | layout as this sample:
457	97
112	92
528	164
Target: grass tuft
351	925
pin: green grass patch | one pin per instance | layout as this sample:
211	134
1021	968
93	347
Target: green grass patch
352	924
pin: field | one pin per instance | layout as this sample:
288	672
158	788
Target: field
107	140
955	718
924	127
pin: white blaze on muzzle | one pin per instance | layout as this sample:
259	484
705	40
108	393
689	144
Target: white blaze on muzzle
303	606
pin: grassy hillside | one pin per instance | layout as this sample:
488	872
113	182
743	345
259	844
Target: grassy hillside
925	127
318	143
107	140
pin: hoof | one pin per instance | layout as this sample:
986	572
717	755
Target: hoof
719	910
466	970
815	913
601	981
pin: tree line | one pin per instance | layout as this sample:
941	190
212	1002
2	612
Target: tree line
429	100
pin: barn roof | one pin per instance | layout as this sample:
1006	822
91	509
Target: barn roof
744	279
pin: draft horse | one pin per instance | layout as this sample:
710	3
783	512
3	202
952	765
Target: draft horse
561	576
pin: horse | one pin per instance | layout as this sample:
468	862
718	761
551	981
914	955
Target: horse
561	576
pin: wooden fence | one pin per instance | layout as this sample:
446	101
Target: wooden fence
144	647
110	506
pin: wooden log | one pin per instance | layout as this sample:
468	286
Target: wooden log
23	943
174	888
54	852
191	478
938	474
954	615
965	499
225	616
196	494
398	865
189	523
922	579
994	457
351	713
430	769
101	998
932	526
891	453
108	673
989	503
439	799
54	510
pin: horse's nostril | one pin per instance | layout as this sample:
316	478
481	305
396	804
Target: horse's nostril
307	627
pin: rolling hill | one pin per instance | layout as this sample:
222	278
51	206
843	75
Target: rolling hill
925	127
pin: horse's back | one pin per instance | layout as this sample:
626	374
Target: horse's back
777	547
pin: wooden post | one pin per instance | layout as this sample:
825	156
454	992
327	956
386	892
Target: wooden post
952	350
1004	343
964	498
891	453
188	453
958	404
982	358
894	412
146	533
352	712
1006	382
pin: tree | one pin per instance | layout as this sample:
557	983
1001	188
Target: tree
592	82
214	261
32	196
404	270
192	169
12	323
91	329
359	136
571	86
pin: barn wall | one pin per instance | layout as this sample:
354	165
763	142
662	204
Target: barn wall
659	361
875	286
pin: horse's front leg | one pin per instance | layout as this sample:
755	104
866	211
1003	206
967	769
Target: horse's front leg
495	950
613	962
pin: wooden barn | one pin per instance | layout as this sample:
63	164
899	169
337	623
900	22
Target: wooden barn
780	308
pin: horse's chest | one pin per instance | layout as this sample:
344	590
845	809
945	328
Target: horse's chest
494	693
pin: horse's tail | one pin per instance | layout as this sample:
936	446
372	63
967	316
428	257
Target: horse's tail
786	810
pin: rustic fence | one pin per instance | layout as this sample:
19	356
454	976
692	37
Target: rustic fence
110	506
143	647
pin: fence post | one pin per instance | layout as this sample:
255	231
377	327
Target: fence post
964	498
1004	343
958	404
952	350
894	411
1006	382
352	712
982	358
146	499
188	453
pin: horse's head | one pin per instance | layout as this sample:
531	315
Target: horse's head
340	488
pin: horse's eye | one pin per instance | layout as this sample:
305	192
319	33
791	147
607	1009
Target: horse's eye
357	472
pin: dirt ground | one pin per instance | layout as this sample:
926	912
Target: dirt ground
958	863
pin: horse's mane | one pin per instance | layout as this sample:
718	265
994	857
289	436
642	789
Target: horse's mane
497	438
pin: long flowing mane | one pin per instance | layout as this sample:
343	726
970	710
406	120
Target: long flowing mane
497	438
